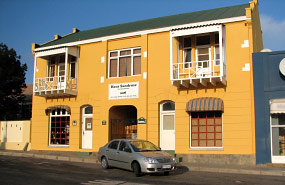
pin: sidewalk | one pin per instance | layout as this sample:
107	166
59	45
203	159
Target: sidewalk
85	157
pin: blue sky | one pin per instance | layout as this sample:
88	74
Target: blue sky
23	22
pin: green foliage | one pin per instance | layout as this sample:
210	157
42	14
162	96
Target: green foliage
12	81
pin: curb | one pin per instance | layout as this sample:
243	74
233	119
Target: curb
239	171
268	172
51	157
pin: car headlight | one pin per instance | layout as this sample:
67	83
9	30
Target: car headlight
173	160
150	160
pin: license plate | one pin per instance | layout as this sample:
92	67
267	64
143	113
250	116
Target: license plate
166	166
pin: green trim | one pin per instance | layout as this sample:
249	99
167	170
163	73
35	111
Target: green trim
155	23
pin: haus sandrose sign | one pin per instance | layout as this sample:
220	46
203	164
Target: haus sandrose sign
123	91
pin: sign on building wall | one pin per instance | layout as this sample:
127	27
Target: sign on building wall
123	91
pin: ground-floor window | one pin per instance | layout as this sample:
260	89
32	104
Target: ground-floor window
278	134
206	129
59	127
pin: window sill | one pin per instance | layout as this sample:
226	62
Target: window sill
58	146
206	148
115	77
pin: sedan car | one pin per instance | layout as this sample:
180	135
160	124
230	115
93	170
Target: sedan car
140	156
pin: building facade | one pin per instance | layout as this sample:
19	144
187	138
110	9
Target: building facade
269	91
183	82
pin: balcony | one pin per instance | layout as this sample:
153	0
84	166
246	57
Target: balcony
188	74
55	86
56	72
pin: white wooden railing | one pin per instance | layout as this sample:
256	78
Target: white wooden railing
56	83
198	70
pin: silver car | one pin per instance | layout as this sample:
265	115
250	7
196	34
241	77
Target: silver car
140	156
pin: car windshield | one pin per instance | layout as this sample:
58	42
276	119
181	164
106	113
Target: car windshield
143	146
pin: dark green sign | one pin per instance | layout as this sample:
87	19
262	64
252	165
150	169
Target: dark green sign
141	120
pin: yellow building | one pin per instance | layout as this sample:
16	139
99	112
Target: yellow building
183	82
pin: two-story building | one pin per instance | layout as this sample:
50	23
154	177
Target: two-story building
183	82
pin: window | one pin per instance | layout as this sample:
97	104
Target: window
51	68
201	45
124	147
278	134
187	50
125	62
59	127
114	145
72	67
203	50
217	50
168	106
206	129
88	110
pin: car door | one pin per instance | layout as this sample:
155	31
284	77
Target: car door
111	153
124	155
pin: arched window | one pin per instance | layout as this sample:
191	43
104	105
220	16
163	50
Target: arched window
88	110
168	106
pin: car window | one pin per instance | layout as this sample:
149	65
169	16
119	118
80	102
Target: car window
143	146
124	147
113	145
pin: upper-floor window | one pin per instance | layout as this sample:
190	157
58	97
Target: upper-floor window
126	62
202	46
56	67
187	48
51	68
217	50
72	67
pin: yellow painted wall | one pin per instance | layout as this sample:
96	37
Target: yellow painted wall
238	116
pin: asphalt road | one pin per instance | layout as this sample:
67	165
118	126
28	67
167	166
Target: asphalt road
33	171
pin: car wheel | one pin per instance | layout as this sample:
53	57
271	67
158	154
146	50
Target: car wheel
137	169
104	163
166	173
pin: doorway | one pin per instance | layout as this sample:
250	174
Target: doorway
123	122
87	127
167	125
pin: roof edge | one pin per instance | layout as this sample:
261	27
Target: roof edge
143	32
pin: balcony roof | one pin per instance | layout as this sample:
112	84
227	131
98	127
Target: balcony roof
161	22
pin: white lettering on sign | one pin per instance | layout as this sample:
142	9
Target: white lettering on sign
124	91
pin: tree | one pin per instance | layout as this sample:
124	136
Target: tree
12	81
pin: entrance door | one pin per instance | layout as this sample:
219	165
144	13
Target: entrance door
167	126
278	137
87	127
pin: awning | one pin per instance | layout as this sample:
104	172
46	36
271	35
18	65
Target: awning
56	107
205	104
45	53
